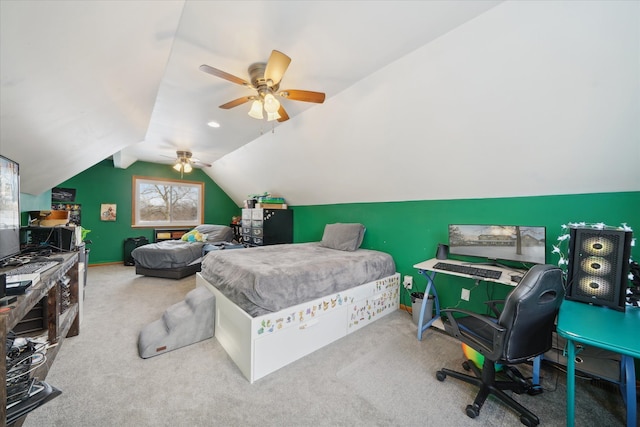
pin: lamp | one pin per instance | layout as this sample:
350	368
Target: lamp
271	104
183	165
256	110
273	116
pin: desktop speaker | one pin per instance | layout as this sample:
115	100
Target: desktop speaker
598	266
442	252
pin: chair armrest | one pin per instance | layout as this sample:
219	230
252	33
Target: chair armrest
493	352
493	306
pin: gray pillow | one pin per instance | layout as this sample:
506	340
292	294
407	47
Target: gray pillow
216	233
344	237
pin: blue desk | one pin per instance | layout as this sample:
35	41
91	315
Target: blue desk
604	328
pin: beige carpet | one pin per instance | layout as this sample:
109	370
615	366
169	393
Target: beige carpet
378	376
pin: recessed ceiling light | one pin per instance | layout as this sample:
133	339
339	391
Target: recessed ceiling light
214	124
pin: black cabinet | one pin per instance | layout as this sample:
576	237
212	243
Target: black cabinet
267	226
237	232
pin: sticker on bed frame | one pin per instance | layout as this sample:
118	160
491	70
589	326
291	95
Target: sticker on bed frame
371	307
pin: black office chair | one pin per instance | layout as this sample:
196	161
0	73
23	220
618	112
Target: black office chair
522	331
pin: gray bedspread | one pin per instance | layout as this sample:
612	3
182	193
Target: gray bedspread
270	278
168	254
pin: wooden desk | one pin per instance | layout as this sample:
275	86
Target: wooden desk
604	328
426	268
58	325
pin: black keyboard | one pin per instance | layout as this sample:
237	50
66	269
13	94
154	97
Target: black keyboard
32	267
466	269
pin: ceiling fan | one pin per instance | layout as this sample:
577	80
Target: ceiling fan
265	80
185	162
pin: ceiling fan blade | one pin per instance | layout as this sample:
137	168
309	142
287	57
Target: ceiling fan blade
223	75
276	67
302	95
283	114
237	102
201	163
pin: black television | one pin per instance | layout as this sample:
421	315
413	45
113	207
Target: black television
518	243
9	208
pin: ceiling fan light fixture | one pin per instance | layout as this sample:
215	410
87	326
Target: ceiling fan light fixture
187	167
178	166
271	104
256	110
273	116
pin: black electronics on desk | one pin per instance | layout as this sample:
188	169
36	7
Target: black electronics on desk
598	266
517	243
58	239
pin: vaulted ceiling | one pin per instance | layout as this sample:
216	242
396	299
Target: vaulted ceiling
82	81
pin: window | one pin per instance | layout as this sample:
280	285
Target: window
158	203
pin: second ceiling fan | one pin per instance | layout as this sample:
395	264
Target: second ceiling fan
265	80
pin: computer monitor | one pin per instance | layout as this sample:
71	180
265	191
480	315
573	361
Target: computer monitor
9	208
499	242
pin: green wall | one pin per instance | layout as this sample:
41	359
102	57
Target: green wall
411	231
103	183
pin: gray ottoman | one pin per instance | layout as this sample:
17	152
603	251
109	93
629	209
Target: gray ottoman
184	323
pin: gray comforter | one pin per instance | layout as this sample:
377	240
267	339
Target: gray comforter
180	253
270	278
168	254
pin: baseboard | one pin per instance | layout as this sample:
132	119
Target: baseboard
102	264
406	308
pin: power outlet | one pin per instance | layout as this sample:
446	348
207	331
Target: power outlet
466	293
408	282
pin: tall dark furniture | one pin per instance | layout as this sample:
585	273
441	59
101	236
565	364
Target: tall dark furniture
262	227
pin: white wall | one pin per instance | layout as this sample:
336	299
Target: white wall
530	98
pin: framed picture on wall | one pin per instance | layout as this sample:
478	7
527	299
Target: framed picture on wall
108	211
67	195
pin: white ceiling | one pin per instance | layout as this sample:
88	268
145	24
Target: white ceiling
82	81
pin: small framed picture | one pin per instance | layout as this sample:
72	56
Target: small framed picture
108	212
67	195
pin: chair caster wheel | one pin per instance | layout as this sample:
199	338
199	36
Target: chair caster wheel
440	376
534	390
529	422
473	412
466	366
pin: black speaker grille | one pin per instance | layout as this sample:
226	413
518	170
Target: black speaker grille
592	286
600	245
597	266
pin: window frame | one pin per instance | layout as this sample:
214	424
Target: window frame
137	181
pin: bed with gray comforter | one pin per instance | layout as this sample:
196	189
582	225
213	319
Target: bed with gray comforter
270	278
178	258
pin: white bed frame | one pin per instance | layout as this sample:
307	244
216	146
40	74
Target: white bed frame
264	344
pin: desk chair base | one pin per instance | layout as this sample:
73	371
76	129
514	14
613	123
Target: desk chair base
488	385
